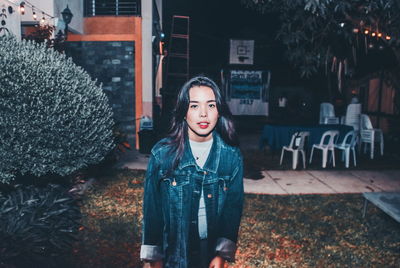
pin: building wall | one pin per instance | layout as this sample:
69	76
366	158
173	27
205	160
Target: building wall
76	8
147	64
112	63
112	38
13	20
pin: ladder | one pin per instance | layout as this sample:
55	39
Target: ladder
177	71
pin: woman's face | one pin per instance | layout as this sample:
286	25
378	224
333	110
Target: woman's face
202	115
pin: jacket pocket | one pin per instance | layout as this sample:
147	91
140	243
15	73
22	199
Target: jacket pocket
223	187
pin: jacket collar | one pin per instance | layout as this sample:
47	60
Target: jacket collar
212	162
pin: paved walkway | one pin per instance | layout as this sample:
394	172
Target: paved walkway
304	181
324	182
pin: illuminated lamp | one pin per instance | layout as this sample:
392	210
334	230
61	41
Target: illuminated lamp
22	8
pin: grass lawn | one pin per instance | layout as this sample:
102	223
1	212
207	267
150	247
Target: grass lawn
276	231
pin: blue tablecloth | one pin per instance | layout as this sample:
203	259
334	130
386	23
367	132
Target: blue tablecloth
276	136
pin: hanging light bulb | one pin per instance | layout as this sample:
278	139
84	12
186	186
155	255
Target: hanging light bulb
34	14
388	37
355	30
366	32
22	8
373	34
379	34
43	19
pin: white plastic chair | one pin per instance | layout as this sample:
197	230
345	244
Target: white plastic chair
327	114
347	146
370	135
296	145
331	136
352	117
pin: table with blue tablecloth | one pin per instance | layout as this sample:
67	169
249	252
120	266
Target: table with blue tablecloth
277	136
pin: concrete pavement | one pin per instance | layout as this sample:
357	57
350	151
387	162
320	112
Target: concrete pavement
324	182
303	181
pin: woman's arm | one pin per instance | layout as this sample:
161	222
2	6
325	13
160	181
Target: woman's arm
152	229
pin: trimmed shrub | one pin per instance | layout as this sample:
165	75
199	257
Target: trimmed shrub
54	118
37	225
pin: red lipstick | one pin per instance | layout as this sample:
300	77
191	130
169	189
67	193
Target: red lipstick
203	125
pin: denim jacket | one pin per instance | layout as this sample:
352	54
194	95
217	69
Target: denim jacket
170	222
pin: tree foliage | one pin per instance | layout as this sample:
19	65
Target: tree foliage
317	31
44	33
54	119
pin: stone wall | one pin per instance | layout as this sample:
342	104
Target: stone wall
112	63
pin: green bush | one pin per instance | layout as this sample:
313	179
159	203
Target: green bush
54	119
37	225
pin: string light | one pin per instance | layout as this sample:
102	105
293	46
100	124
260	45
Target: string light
373	34
22	8
43	20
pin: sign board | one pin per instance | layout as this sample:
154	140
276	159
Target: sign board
247	92
241	52
246	84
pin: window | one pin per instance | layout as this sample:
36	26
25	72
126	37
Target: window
112	8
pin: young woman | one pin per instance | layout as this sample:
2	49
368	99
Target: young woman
193	194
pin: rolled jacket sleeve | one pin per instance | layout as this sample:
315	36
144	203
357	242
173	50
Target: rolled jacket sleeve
152	229
228	226
226	249
151	253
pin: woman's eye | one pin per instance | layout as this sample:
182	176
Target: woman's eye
193	106
212	105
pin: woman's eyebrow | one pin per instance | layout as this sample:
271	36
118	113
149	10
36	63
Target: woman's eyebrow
195	101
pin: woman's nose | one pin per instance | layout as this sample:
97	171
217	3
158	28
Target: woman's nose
203	112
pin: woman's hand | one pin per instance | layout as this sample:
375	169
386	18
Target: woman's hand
156	264
217	262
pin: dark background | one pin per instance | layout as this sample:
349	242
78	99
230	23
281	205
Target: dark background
214	22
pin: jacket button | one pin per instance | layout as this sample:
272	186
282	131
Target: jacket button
174	183
205	172
225	188
209	195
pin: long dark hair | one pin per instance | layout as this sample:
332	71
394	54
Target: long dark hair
178	133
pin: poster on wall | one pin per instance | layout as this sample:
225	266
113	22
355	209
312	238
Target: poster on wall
241	51
247	91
